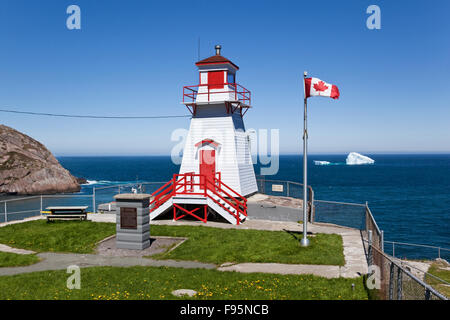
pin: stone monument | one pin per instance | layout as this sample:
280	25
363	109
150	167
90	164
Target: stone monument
132	221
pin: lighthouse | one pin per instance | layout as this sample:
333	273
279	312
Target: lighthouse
216	173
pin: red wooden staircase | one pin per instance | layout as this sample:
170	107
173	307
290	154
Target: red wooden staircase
200	193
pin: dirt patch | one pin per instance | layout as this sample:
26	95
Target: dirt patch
108	247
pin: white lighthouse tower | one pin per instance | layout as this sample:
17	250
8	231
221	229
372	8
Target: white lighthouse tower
216	172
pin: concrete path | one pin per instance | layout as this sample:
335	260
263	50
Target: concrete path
2	224
5	248
280	268
60	261
355	260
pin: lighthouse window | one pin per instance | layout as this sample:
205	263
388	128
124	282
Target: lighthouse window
230	78
216	79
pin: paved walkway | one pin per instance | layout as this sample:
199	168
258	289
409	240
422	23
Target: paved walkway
355	260
60	261
5	248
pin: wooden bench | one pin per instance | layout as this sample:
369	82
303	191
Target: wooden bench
67	213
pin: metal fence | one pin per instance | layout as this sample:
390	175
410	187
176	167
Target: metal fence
283	188
18	208
105	194
341	213
24	207
403	250
396	282
372	232
352	215
290	189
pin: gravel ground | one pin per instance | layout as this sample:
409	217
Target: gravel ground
108	247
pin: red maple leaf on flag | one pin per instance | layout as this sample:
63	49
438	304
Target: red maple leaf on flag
320	86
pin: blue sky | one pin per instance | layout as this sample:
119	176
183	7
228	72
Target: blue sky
133	57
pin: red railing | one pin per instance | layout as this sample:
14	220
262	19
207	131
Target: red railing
161	195
216	190
240	93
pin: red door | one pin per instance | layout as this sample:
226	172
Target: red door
207	165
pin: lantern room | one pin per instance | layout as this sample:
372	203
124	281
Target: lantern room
217	82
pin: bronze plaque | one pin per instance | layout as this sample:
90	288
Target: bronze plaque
128	218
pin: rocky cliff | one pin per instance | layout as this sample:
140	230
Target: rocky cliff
28	167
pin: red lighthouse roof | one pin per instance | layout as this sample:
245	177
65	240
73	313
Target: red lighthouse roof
216	59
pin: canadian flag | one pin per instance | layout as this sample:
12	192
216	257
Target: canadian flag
316	87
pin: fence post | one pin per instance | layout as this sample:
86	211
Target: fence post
367	216
287	187
427	294
391	282
439	252
369	236
93	200
41	206
393	249
6	213
399	284
312	208
382	241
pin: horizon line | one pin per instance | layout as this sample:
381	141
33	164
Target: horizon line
280	154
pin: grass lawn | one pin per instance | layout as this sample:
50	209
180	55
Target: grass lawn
158	283
8	259
437	269
205	244
217	246
57	236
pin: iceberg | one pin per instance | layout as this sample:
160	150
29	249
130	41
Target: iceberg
321	163
356	158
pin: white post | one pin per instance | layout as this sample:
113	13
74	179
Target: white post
6	213
41	205
305	241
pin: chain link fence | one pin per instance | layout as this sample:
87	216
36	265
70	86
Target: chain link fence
395	281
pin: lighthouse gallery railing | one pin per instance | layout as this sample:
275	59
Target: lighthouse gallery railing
241	94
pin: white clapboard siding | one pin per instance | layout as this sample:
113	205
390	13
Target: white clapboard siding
233	157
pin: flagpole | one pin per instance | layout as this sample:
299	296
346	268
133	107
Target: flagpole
305	242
